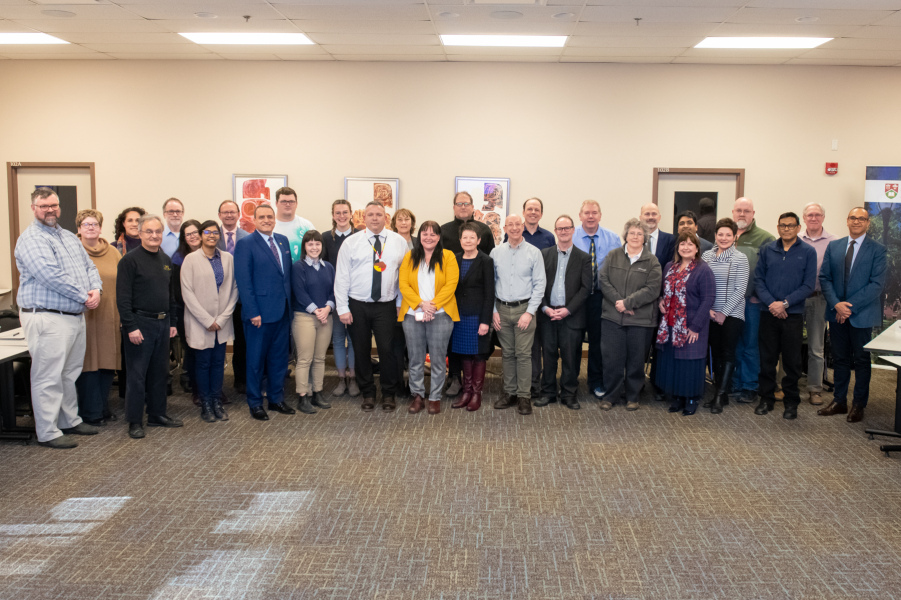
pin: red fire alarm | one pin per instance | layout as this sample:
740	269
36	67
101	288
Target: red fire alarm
831	168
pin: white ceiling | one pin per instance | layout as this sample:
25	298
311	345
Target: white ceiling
866	32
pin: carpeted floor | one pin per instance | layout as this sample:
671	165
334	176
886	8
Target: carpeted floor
562	504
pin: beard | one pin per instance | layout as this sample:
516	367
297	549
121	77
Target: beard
742	224
49	220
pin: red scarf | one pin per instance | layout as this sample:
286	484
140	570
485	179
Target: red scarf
674	315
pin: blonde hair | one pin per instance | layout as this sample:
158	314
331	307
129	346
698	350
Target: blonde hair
88	212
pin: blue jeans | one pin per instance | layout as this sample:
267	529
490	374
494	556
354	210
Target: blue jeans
209	366
747	352
344	359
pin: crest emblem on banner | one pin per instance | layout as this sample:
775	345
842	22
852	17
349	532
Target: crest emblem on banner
891	190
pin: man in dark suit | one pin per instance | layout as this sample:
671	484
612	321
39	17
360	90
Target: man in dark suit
229	213
660	243
263	273
852	279
561	316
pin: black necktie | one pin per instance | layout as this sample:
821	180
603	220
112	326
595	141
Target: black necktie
376	273
849	258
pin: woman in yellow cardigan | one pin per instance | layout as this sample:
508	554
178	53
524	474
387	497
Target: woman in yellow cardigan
428	279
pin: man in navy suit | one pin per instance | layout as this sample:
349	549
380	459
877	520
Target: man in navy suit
660	243
852	279
263	273
229	213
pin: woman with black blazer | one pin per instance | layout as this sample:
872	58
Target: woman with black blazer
475	302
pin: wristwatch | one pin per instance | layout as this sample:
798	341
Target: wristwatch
785	304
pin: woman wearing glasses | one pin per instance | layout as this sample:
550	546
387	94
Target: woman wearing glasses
188	242
209	293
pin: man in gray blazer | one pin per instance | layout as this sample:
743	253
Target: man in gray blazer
561	316
229	214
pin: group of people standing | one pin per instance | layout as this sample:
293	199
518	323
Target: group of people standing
440	293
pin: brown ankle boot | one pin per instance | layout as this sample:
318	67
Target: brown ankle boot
478	380
466	395
416	405
434	407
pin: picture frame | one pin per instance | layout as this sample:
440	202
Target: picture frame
249	191
360	191
491	200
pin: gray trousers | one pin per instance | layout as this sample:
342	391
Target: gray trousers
815	320
56	344
516	346
427	337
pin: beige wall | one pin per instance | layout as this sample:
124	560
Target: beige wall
560	132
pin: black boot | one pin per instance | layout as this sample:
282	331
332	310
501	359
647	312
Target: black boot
319	401
765	406
676	404
219	411
206	410
304	405
722	394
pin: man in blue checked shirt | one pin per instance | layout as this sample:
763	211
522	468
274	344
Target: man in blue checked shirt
57	283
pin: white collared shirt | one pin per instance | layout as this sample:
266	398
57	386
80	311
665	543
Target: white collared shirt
857	245
354	268
652	242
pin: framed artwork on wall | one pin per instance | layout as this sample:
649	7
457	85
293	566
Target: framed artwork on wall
249	191
360	191
491	200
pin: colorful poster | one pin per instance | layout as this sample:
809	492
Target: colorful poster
249	191
884	207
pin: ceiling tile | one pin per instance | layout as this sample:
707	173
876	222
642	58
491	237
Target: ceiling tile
83	11
843	62
39	56
501	58
407	27
744	53
586	51
94	37
353	49
784	29
682	3
305	57
853	54
863	44
645	29
631	42
893	20
392	57
260	56
656	14
827	4
876	31
231	25
519	27
224	10
277	49
148	48
163	56
8	49
100	25
617	59
366	39
344	12
529	13
714	60
503	51
787	16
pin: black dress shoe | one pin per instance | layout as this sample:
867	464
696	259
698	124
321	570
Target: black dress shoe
368	404
82	428
258	413
135	431
544	401
571	404
163	421
389	404
509	401
281	407
791	412
856	414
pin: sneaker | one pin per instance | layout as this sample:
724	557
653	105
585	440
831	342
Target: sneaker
605	405
341	388
63	442
599	392
816	398
632	405
352	388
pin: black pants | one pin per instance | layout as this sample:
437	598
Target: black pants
560	340
239	348
593	309
723	341
848	353
780	337
625	349
537	353
147	369
93	389
399	349
376	319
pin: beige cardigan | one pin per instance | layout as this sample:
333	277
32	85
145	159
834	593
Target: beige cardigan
203	304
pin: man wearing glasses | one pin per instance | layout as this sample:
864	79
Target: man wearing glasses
815	306
784	278
174	212
288	223
229	213
57	283
852	278
145	297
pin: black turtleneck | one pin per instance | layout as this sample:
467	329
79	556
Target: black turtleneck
450	236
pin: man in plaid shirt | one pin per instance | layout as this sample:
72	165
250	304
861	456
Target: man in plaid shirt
57	283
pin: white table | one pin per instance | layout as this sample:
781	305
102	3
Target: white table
888	345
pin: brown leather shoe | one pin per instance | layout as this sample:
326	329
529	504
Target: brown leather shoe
368	404
388	404
816	398
525	406
834	408
508	401
856	414
416	405
434	407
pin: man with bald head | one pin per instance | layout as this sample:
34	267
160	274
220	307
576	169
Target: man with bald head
660	243
747	352
519	288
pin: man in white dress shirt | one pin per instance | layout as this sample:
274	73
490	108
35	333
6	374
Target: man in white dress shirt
366	295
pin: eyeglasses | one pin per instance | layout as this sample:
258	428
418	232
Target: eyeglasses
46	207
90	225
211	232
786	227
174	212
858	219
287	202
152	232
462	204
564	229
228	213
192	234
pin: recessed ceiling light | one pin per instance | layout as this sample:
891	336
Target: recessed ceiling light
505	14
520	41
763	42
564	15
206	15
58	13
807	19
260	39
29	38
448	15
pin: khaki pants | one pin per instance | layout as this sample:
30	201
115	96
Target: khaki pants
311	338
516	346
56	344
